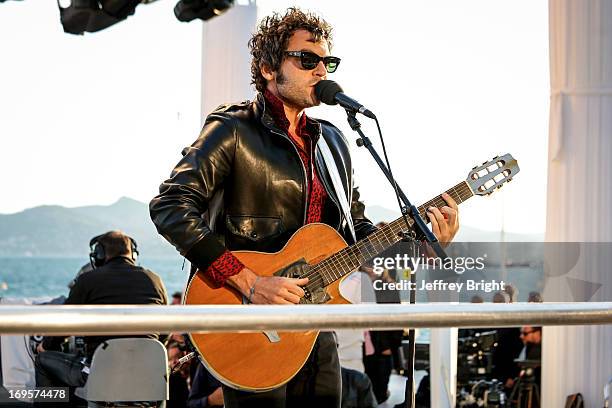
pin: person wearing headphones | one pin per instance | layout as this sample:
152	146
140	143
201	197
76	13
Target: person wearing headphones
115	279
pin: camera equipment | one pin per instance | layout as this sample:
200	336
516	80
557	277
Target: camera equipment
526	391
495	396
475	356
482	394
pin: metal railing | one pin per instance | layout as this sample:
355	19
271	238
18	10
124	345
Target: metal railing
130	319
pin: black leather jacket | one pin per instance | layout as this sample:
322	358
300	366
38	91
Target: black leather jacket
242	186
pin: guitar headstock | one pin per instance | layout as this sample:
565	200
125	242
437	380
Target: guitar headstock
484	179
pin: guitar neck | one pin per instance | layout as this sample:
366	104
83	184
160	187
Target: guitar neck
350	258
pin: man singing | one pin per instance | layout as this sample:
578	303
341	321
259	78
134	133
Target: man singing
255	175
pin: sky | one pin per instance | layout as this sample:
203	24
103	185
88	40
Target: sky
88	119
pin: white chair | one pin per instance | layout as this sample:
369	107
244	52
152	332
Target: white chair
127	372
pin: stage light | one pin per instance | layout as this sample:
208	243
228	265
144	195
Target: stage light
188	10
94	15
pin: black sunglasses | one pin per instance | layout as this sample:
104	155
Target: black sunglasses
310	60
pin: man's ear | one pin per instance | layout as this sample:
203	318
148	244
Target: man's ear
267	72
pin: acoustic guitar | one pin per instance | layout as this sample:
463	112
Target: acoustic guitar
263	361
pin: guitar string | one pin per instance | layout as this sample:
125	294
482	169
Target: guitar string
374	241
361	250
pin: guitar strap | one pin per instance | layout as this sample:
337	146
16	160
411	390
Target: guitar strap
330	163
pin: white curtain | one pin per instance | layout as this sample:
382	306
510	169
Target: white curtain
579	196
226	62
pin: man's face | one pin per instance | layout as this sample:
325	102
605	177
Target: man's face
293	84
530	335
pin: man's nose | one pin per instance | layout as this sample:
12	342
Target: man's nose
320	70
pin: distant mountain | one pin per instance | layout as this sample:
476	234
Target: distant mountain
52	230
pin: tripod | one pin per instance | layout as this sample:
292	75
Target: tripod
526	390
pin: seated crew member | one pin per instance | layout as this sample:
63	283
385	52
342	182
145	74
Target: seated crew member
115	280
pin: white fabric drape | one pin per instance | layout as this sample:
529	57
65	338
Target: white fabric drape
226	61
579	359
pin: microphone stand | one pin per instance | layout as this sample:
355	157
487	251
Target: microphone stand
420	231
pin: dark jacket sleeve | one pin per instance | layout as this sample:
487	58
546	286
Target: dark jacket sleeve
160	288
183	199
202	385
75	297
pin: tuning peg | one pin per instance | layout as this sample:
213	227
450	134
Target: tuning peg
496	157
509	180
474	168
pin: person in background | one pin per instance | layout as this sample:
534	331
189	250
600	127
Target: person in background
177	298
501	297
115	279
512	292
476	299
356	389
205	390
535	297
531	336
178	382
379	346
508	347
84	269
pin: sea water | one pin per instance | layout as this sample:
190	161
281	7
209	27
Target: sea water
32	277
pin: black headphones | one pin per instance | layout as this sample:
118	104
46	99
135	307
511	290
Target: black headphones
97	254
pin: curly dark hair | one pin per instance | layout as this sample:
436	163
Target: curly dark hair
270	41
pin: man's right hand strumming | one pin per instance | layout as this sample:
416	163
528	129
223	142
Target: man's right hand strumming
270	290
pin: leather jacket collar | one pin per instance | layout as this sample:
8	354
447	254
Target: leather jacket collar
259	108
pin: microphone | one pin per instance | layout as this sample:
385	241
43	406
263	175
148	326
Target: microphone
330	93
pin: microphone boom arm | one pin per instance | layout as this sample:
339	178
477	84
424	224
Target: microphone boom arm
408	208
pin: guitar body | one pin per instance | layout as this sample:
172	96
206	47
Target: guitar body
251	361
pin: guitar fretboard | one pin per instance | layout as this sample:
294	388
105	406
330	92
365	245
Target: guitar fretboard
350	258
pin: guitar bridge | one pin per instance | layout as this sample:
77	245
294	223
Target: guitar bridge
272	335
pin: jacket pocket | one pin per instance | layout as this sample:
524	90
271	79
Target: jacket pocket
254	228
